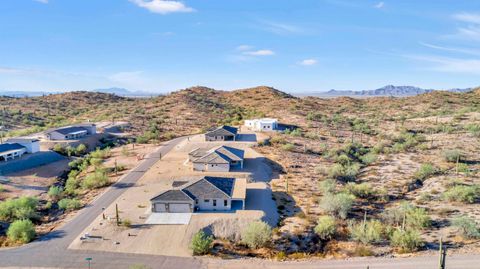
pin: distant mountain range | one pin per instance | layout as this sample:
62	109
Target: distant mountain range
116	91
389	90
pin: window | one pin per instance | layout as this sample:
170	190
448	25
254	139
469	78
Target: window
225	202
196	201
214	202
206	201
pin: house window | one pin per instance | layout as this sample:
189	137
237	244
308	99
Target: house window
214	202
225	202
196	201
206	201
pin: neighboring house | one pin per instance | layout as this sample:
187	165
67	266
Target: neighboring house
71	132
265	124
220	159
202	194
223	133
31	144
10	151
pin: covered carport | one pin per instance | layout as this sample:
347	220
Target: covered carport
239	194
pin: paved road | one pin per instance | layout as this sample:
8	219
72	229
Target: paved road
51	250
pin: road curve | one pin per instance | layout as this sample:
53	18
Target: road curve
51	251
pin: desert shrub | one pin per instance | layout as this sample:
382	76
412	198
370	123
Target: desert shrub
413	217
201	243
462	194
2	188
366	232
288	147
55	192
126	223
467	226
18	209
325	227
343	159
96	180
81	150
407	240
320	169
22	231
327	186
72	184
425	171
69	204
59	148
452	155
337	204
369	158
229	229
344	172
362	190
256	235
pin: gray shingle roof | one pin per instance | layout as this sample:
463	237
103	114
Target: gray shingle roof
9	147
172	195
220	155
223	131
201	188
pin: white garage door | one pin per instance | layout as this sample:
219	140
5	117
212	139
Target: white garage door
160	208
179	208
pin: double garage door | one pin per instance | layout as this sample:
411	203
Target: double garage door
173	207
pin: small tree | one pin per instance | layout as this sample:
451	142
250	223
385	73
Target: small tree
325	228
257	234
69	204
201	243
81	150
467	226
21	231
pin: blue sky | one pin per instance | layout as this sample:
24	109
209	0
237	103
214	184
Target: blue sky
295	46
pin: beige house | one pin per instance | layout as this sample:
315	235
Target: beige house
220	159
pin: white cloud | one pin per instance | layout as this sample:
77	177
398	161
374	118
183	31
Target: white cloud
162	6
280	28
467	17
449	65
244	47
308	62
379	5
452	49
42	1
260	53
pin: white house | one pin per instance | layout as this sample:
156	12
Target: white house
71	132
202	194
32	145
262	125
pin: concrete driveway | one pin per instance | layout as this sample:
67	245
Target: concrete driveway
169	218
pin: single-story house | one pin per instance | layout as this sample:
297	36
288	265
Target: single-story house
71	132
10	151
265	124
220	159
202	194
222	133
31	144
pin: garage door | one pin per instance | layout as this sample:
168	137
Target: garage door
179	208
160	208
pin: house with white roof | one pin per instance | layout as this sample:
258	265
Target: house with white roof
262	125
15	148
71	132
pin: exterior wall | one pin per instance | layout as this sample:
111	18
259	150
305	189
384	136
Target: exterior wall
198	167
32	147
259	125
202	205
218	167
214	138
91	129
165	205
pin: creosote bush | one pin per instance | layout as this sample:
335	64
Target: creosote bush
256	235
366	232
18	209
201	243
407	240
462	194
69	204
467	226
55	192
338	205
425	171
452	155
22	231
362	190
326	227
